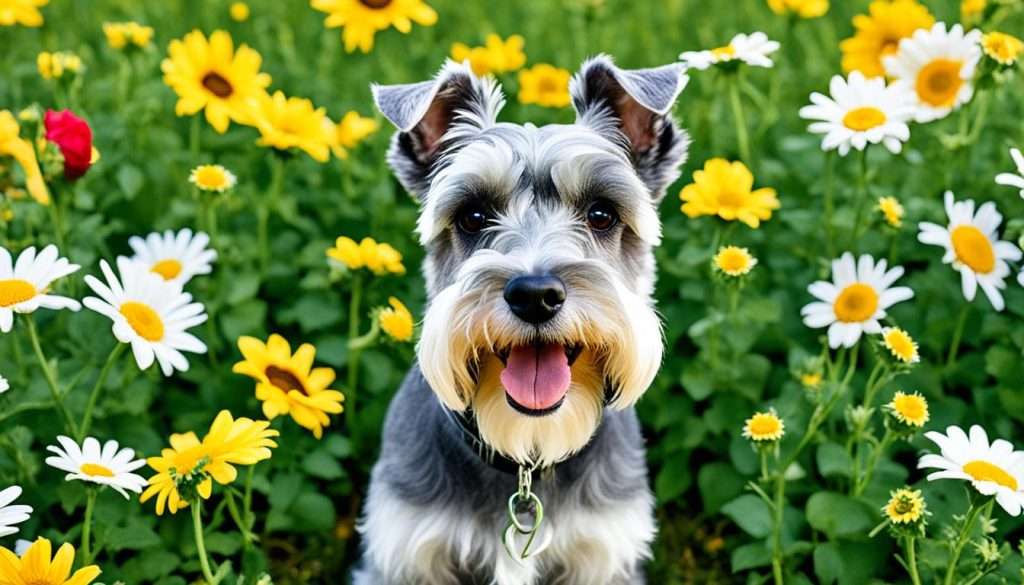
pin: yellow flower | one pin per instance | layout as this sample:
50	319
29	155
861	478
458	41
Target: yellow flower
802	8
905	506
734	261
212	178
544	85
54	65
212	75
119	34
396	321
362	19
186	471
811	380
879	32
910	409
971	9
21	150
764	426
900	344
239	11
291	122
892	210
23	12
1003	48
496	56
724	189
289	384
349	132
379	258
36	567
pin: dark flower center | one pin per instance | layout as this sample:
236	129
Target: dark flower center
375	4
284	379
217	85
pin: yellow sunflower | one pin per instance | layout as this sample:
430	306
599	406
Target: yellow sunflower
396	320
496	56
764	426
909	409
725	189
544	85
1005	49
54	65
802	8
379	258
734	261
212	75
289	384
879	32
972	9
349	132
291	122
37	567
21	150
892	210
186	471
905	506
362	19
120	34
23	12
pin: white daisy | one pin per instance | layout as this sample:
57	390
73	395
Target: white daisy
973	248
855	300
752	49
4	385
936	67
24	285
109	466
175	257
860	112
1014	180
149	313
11	514
994	470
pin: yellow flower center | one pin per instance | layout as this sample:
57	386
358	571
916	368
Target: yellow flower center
211	177
284	379
144	320
764	426
911	408
939	82
376	4
218	85
169	268
985	471
890	46
973	249
857	303
901	345
726	52
14	291
863	119
733	261
96	470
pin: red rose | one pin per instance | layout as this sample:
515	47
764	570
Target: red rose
74	138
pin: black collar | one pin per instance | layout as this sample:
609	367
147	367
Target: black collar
465	423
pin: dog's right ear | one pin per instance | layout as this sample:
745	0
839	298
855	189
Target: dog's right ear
433	117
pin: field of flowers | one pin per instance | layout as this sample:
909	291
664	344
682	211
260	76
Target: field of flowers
209	280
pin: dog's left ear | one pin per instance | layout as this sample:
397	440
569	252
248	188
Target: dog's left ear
633	107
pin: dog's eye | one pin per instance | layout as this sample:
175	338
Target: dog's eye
601	216
471	219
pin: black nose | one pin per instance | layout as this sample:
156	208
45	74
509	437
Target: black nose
535	299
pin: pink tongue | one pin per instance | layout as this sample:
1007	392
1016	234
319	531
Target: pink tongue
537	377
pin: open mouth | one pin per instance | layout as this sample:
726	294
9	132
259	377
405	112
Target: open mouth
537	376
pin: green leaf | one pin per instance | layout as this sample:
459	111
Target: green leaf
313	512
750	513
828	563
696	380
749	556
130	180
339	446
839	515
672	480
223	543
834	461
320	463
718	483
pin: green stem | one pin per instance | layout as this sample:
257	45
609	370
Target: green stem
960	542
57	221
915	579
193	140
197	530
97	389
740	119
777	553
863	195
958	333
861	483
830	163
90	502
51	378
269	203
876	380
354	312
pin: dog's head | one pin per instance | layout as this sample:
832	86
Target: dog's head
539	265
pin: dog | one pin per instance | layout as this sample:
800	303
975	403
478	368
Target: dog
539	337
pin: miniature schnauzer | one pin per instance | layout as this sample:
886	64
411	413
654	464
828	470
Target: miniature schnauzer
540	335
